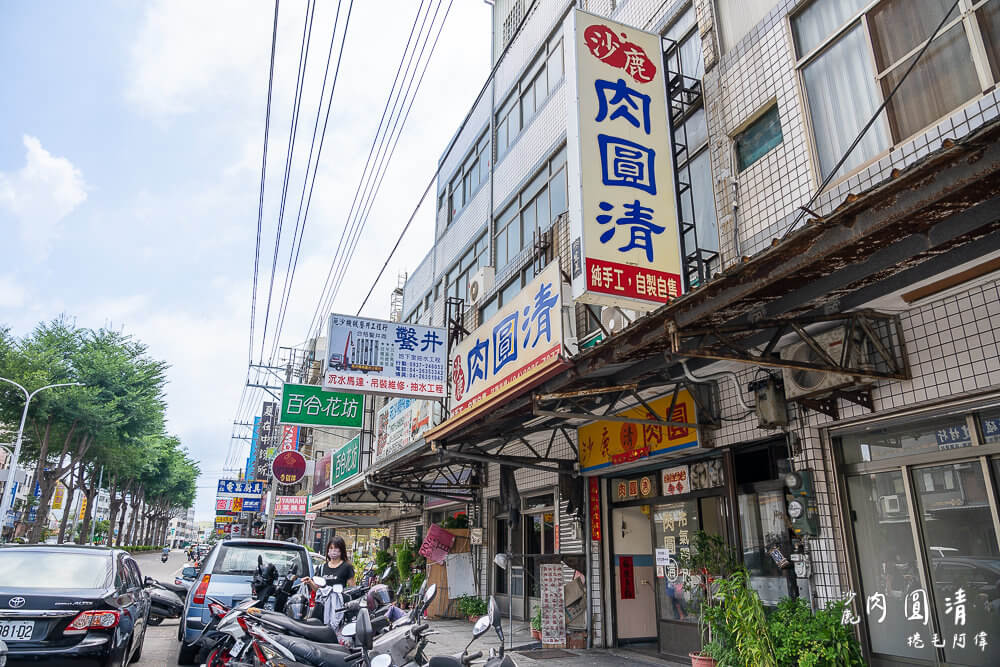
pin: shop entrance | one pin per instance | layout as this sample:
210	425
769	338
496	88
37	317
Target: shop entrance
635	600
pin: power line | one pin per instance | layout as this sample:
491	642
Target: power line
303	217
292	132
364	172
263	174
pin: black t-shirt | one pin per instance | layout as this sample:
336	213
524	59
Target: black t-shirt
337	575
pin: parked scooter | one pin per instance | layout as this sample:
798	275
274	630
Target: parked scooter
482	626
165	600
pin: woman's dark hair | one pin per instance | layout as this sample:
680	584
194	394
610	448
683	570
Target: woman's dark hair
337	541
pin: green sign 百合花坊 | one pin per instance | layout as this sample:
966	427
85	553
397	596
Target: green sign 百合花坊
309	405
346	461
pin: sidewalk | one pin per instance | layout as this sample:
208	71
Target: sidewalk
453	635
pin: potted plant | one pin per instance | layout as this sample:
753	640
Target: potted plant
802	636
472	607
536	623
708	560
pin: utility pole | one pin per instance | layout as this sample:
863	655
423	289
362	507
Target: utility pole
97	495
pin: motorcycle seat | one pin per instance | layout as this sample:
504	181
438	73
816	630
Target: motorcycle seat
322	633
319	655
174	588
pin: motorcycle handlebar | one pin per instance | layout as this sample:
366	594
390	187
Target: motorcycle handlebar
418	630
472	656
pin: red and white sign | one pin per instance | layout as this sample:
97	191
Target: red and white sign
289	438
290	505
675	481
437	544
288	467
553	605
624	235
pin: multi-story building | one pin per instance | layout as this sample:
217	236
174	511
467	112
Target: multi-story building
823	394
181	528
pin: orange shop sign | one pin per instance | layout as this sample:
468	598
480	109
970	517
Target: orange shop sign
606	443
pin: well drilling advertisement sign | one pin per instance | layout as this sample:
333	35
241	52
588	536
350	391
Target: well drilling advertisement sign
233	495
402	421
603	443
309	405
386	358
625	240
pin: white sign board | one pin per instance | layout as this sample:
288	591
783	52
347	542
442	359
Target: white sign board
625	240
386	358
553	605
662	556
675	481
402	421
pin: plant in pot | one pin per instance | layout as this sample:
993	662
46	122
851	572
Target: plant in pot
472	607
738	624
536	623
708	560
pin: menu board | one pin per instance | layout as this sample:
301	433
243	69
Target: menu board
553	606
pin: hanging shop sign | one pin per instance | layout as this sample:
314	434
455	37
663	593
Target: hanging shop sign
402	421
289	439
310	405
595	509
346	461
288	467
219	520
59	497
234	495
625	242
675	481
290	505
437	544
252	458
604	443
520	346
385	358
638	487
321	476
267	445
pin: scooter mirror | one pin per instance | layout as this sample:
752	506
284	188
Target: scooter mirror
494	612
382	661
387	573
481	626
321	582
349	630
430	593
260	561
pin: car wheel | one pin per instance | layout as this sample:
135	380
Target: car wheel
186	654
155	620
138	651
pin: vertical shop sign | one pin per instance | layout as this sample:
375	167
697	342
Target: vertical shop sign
254	444
553	606
626	574
595	509
622	208
289	438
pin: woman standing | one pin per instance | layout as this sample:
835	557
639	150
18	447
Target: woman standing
337	569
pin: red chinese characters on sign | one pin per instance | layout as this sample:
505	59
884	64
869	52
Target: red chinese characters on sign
437	544
290	505
645	487
289	438
631	281
608	48
626	576
680	414
675	481
595	510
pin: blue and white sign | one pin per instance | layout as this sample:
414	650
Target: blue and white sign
386	358
234	487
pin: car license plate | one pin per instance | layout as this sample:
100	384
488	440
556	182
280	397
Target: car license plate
16	630
237	649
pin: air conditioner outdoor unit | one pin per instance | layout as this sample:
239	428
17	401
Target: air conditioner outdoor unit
891	505
480	283
802	382
615	319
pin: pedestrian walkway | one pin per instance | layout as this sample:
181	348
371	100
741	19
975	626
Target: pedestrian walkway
454	635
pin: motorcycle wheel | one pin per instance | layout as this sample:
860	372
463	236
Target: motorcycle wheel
216	659
154	620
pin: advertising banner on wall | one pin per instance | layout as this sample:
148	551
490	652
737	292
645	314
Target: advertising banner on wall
290	505
604	443
386	358
252	458
289	439
267	445
321	477
310	405
402	421
516	348
234	495
346	461
625	241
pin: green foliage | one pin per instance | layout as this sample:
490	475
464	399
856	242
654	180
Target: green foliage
806	639
738	624
536	619
709	559
384	559
457	522
404	560
470	605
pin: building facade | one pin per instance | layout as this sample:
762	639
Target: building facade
825	393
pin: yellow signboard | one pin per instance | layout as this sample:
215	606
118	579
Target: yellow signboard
60	495
83	508
224	519
606	443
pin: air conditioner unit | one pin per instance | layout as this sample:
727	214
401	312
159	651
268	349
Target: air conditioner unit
891	504
480	283
615	319
801	382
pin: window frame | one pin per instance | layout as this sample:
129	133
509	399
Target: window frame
525	86
967	16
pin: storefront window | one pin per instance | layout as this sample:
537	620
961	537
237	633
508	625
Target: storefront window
673	527
963	560
762	526
990	424
879	442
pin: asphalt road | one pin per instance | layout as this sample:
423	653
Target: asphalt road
160	645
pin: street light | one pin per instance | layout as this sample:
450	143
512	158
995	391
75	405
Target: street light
5	499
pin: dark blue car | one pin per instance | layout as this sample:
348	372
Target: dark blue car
71	605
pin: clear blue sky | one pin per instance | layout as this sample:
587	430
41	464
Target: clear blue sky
130	146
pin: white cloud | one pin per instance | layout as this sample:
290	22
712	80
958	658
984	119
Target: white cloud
40	194
12	295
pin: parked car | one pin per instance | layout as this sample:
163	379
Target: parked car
185	576
225	576
64	604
